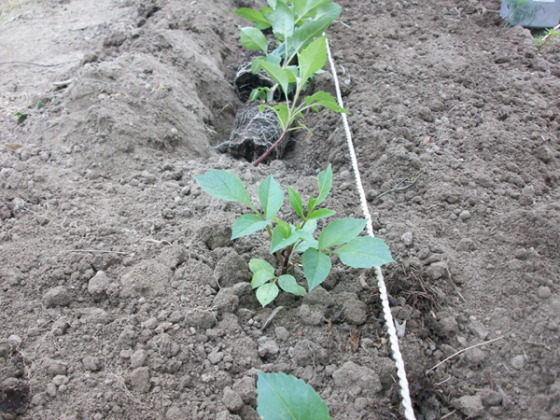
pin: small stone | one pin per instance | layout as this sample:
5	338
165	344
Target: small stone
150	324
246	389
267	346
57	296
470	406
51	390
92	364
350	375
226	301
282	333
408	239
475	356
518	362
138	358
14	341
215	356
544	292
465	215
139	380
306	352
175	413
479	330
54	367
310	316
355	311
449	325
437	270
60	380
426	114
99	284
491	398
232	400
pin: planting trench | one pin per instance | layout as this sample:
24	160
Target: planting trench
122	295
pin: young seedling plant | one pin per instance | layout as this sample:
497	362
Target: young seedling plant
294	245
298	26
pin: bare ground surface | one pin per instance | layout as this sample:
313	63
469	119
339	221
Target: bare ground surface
122	296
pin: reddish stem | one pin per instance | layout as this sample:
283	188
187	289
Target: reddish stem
270	149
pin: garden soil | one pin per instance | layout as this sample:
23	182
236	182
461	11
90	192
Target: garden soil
122	295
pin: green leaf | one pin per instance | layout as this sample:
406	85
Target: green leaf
282	21
254	16
325	99
247	224
267	293
272	3
312	5
340	231
295	202
260	278
270	196
313	29
280	240
282	112
365	252
313	58
223	185
283	397
288	284
293	72
316	267
277	73
256	264
324	179
253	39
310	226
321	214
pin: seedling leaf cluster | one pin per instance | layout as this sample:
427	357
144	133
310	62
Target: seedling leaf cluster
301	52
299	248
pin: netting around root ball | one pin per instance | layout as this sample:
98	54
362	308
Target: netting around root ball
254	132
245	81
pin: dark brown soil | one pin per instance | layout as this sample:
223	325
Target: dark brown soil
122	296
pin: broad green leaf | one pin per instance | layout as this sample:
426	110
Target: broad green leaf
313	29
288	284
267	293
325	99
260	278
321	214
282	21
316	267
270	196
254	16
283	113
311	205
292	73
280	241
340	231
277	73
324	179
256	64
305	236
223	185
313	58
257	264
295	202
247	224
253	39
275	59
310	226
365	252
272	3
312	5
304	246
283	397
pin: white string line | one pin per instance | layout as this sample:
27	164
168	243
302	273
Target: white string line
397	356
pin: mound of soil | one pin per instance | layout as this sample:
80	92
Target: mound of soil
122	295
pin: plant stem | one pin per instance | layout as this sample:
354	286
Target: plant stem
271	148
